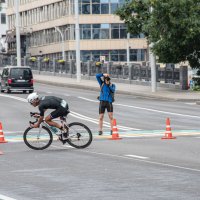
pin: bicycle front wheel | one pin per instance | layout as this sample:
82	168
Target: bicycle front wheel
38	138
80	136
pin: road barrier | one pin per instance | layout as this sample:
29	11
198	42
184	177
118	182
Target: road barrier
134	73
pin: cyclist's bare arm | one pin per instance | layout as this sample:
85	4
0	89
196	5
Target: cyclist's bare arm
40	120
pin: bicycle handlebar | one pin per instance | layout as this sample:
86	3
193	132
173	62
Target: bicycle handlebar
32	115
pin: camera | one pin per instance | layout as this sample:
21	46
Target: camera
107	78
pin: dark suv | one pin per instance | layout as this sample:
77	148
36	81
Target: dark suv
17	79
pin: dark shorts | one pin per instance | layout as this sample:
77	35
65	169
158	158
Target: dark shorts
105	105
60	112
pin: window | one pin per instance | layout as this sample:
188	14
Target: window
3	18
95	31
123	33
95	8
115	31
85	56
85	31
104	31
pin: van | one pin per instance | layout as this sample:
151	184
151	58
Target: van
17	79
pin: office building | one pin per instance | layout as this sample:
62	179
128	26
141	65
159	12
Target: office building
3	26
48	30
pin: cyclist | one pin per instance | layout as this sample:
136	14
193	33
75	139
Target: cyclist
59	105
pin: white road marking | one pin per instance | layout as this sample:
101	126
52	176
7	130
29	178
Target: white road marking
159	111
135	156
36	170
2	197
192	103
88	99
107	124
145	161
149	109
74	114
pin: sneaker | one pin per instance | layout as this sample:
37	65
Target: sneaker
100	132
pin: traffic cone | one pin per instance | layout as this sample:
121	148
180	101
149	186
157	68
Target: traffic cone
2	139
168	132
115	135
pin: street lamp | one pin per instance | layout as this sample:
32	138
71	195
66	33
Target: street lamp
77	42
62	37
18	33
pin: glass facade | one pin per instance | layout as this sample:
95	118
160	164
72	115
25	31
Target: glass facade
97	7
113	55
3	18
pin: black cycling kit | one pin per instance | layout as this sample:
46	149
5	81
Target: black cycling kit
59	105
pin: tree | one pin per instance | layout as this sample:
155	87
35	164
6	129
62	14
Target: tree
172	25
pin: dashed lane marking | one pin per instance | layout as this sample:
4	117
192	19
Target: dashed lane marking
136	156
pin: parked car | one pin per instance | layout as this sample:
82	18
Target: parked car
17	79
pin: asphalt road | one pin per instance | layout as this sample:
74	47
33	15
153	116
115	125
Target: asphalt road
140	166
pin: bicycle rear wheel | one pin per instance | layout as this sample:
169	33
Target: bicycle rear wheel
80	136
38	139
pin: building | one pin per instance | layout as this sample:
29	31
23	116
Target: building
3	25
47	25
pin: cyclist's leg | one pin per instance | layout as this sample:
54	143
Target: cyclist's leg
49	121
55	114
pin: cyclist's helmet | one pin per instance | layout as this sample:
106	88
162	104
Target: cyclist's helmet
32	97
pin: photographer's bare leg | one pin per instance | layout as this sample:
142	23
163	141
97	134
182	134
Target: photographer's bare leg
110	115
101	121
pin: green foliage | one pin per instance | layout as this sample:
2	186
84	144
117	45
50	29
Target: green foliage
172	25
196	81
196	88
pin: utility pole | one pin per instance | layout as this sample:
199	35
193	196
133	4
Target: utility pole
128	49
78	67
18	43
152	60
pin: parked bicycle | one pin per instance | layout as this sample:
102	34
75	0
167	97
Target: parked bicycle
78	134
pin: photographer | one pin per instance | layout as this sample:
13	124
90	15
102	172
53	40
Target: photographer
106	99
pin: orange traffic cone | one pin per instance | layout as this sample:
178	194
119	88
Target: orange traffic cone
115	135
168	132
2	139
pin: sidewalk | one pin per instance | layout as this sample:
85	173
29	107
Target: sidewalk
122	88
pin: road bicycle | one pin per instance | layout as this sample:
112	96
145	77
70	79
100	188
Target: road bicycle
78	134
